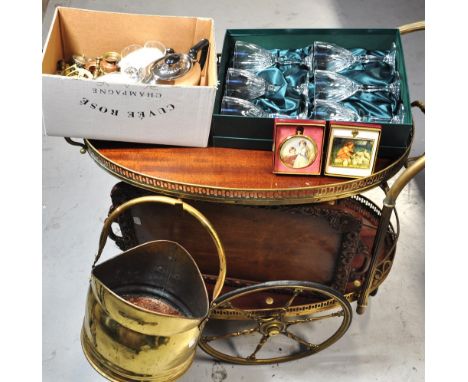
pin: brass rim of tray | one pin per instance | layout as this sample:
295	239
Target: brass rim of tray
253	196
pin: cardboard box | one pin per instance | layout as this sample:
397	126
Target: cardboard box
164	114
257	133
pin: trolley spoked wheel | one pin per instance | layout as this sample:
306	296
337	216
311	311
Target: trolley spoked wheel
274	322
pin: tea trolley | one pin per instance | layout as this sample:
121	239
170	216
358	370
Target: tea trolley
298	249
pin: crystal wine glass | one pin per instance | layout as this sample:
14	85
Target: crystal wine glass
244	84
125	63
328	56
399	117
335	87
334	111
244	108
252	57
330	110
158	47
135	58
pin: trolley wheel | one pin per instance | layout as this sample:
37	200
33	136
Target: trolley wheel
276	321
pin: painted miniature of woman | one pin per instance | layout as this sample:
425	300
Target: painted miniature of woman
289	159
303	157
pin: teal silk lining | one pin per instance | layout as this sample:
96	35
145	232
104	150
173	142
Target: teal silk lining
296	89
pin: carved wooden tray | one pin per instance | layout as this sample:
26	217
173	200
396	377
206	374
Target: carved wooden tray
226	175
328	243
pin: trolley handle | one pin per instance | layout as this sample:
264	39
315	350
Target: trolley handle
414	165
422	107
412	27
83	146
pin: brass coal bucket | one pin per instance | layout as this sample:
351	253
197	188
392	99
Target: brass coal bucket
146	307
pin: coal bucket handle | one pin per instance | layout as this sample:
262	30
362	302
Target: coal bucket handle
174	202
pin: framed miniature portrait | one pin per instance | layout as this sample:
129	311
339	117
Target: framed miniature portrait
298	147
352	150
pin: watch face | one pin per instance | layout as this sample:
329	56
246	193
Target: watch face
298	151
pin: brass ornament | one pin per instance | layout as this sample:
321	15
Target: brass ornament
79	60
75	71
97	71
81	66
90	64
111	57
127	342
109	61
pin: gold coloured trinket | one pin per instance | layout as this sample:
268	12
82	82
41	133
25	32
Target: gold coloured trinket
91	65
109	61
98	71
111	57
75	71
79	60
